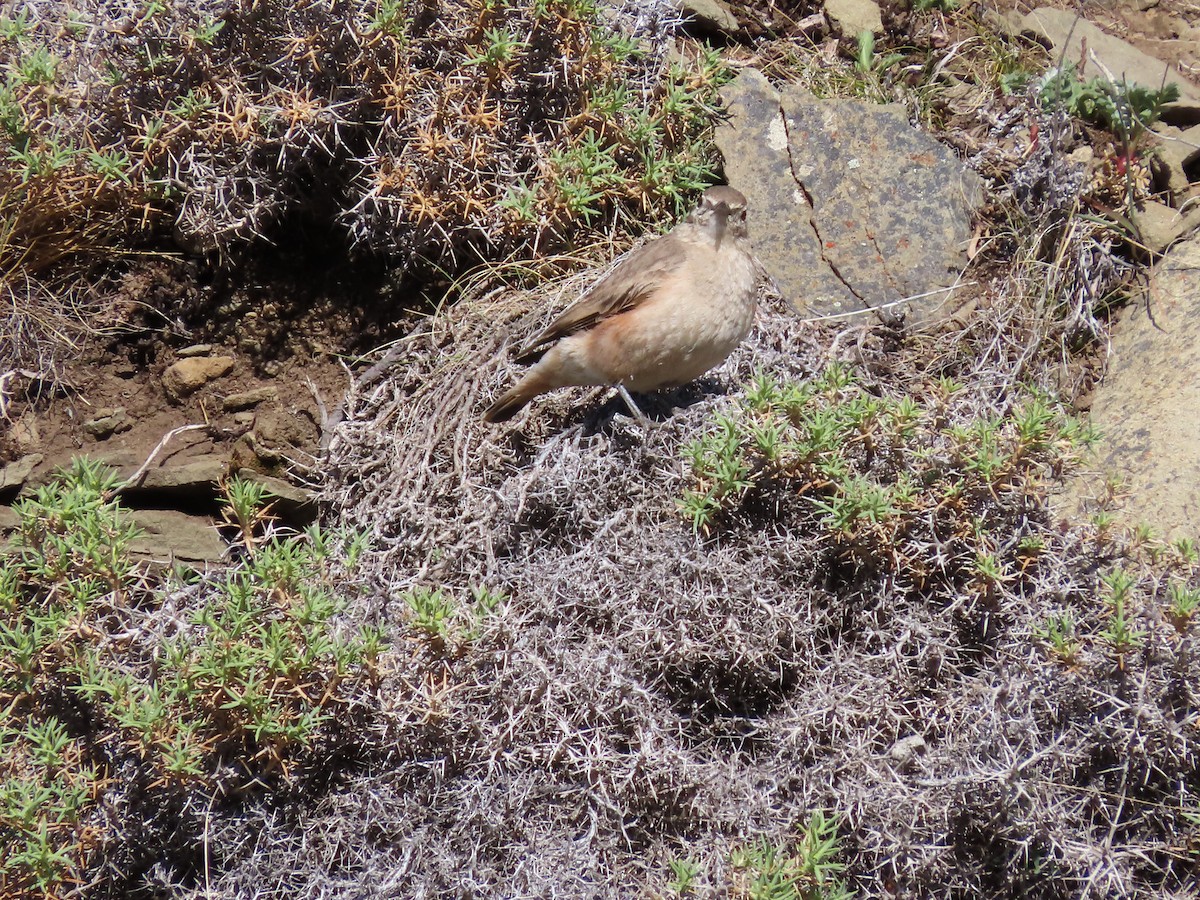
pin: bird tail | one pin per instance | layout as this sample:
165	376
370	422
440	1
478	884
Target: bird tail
512	400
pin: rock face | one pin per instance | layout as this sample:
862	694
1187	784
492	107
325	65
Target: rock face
1079	36
1148	407
189	375
852	207
851	17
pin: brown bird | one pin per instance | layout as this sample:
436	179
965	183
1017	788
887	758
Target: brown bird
663	317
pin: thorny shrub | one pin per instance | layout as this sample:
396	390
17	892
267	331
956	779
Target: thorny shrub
111	688
440	131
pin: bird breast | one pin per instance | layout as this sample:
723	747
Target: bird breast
693	323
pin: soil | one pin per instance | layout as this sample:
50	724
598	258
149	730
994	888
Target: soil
289	322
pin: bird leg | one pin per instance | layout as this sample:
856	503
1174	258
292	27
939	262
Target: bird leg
633	408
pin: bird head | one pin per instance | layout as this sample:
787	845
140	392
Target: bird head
722	211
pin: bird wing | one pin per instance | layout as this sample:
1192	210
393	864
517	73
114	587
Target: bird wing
624	288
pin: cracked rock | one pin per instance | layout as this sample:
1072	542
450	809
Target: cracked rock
852	207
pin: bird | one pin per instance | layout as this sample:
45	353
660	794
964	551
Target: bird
670	311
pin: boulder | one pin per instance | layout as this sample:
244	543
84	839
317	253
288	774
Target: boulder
852	207
1147	409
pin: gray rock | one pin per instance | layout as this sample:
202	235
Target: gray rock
1079	36
197	475
247	399
754	142
852	17
905	749
852	207
1161	225
194	350
189	375
24	434
15	474
1148	406
108	422
169	535
711	16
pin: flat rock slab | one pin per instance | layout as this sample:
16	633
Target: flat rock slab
169	535
1148	406
1065	29
852	207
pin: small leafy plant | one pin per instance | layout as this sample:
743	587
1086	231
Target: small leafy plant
809	870
875	474
98	685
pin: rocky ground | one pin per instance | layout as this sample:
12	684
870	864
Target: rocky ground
634	692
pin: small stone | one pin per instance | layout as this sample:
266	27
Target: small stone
1161	226
107	423
247	399
709	16
195	350
1083	154
189	375
852	17
197	476
906	748
24	434
287	498
15	474
169	535
243	420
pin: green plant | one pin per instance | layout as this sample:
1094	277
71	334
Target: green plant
865	59
877	472
1183	606
809	871
1059	632
442	620
1124	108
685	872
255	671
1121	632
